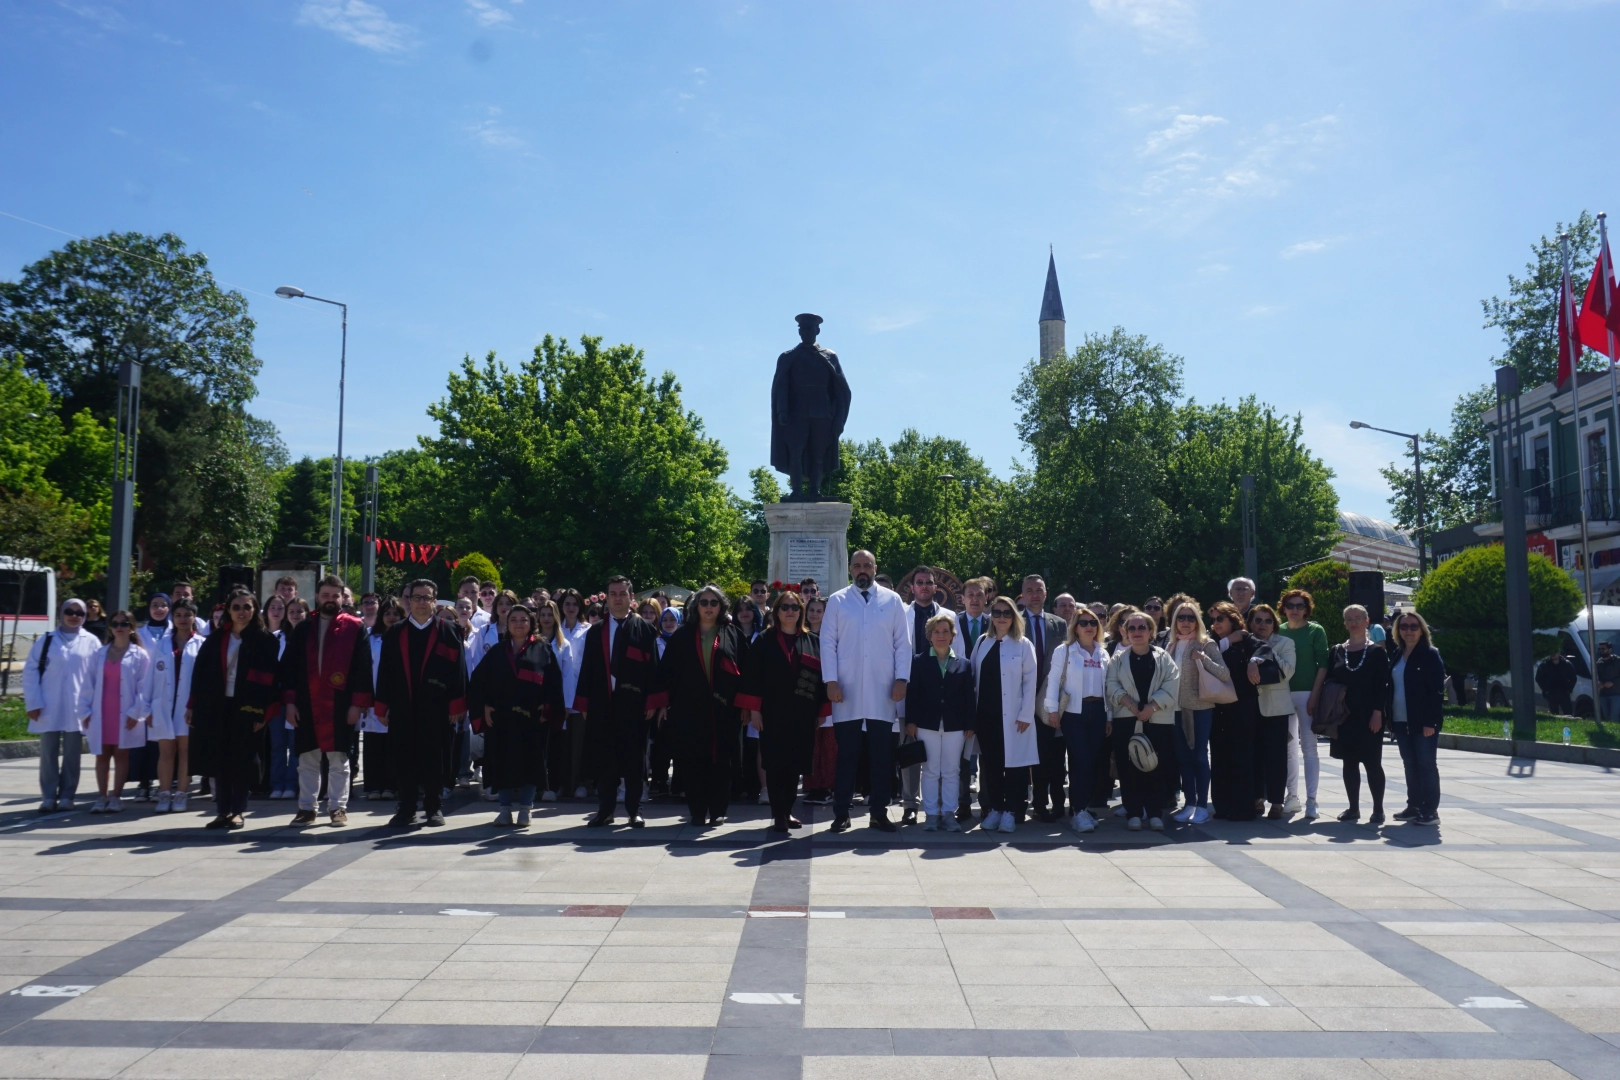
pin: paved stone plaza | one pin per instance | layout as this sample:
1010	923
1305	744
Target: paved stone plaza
1486	951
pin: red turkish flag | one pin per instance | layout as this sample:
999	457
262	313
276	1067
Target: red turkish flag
1600	319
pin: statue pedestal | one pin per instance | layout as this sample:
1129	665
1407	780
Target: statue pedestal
809	539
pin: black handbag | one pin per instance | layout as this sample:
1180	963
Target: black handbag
912	753
1270	672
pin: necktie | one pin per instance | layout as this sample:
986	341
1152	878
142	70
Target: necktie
866	596
1040	632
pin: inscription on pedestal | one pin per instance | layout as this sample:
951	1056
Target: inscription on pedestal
807	558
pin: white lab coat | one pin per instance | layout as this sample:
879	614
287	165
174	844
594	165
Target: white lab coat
480	640
570	655
131	698
1018	678
368	717
57	695
865	647
150	635
168	686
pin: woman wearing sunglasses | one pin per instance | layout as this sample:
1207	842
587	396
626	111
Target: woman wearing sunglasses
1270	668
1419	695
1075	703
517	692
785	699
1004	672
1142	687
117	709
233	696
1231	736
1203	675
702	668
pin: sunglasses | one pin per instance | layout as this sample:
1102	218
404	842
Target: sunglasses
1260	620
122	624
1294	605
72	614
1138	628
1086	622
1187	618
241	607
1154	607
708	601
789	607
1002	613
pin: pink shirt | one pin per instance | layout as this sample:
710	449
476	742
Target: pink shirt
112	705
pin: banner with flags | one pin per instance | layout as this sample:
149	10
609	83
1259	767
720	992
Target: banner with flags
1600	320
402	551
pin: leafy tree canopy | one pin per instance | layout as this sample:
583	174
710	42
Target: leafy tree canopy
1464	600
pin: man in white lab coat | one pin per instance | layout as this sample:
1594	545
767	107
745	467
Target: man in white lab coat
865	661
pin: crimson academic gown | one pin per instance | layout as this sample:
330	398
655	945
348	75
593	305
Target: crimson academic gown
324	690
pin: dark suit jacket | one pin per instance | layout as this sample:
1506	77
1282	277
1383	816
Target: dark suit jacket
940	702
1425	684
1053	632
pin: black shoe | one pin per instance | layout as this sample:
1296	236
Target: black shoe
794	823
235	822
698	821
1427	819
637	821
840	824
435	819
964	814
403	819
219	822
717	819
1377	818
909	817
1351	815
599	821
1408	814
779	825
882	823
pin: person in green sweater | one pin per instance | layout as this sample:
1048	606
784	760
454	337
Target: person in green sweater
1310	671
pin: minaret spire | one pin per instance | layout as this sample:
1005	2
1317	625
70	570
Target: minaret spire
1052	323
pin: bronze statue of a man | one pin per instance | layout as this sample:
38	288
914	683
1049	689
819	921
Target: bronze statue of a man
809	404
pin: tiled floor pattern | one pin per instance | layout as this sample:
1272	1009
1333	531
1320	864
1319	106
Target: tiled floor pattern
1263	950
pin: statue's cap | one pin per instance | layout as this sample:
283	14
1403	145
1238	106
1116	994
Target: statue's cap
807	319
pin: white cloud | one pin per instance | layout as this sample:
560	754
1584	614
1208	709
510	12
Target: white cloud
1304	247
360	23
1170	21
1183	127
883	324
487	13
492	133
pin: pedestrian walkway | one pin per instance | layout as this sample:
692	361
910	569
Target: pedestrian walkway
142	946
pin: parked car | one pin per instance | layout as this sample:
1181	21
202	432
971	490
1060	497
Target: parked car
1573	643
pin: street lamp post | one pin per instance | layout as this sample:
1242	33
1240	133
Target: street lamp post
335	550
123	507
1417	477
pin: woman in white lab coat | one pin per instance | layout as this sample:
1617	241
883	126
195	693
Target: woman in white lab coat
168	696
1004	674
114	697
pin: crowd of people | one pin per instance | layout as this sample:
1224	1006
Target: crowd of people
855	699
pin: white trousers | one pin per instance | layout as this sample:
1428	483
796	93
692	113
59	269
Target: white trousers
337	779
1303	744
942	773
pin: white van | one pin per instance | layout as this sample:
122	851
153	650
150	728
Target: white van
1573	643
27	609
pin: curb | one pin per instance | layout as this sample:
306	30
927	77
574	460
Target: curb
1574	754
19	748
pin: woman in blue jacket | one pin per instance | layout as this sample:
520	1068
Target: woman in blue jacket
1419	678
939	714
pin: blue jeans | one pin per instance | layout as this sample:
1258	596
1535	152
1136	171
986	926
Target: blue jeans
1419	754
524	796
1084	733
283	762
879	751
1609	707
1194	759
59	783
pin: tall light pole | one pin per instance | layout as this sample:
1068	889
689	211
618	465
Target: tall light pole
1417	476
123	507
334	544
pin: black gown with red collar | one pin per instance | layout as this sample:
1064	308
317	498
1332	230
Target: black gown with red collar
223	740
523	687
419	696
324	687
782	681
703	716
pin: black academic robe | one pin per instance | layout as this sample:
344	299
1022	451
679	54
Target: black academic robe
223	740
635	685
324	691
782	681
421	688
524	688
703	717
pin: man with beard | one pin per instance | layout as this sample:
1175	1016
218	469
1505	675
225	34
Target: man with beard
326	681
619	691
421	691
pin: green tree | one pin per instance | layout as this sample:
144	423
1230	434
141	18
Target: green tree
756	534
478	565
303	493
1456	469
1464	600
78	314
579	465
1528	317
907	515
1328	582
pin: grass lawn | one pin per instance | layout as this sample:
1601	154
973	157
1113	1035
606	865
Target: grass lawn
13	724
1462	720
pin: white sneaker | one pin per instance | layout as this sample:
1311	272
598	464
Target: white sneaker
992	820
1310	810
764	797
503	818
1009	823
1134	824
548	796
930	823
99	806
115	805
1156	824
1291	805
523	816
163	802
1084	822
178	802
1200	815
581	793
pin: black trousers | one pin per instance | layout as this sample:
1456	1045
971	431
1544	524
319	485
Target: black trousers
877	741
374	760
1145	793
1001	788
784	785
1271	759
1231	761
1049	774
708	786
620	756
230	795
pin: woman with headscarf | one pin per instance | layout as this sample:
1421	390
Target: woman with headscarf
517	691
143	760
702	669
786	701
58	666
233	696
168	689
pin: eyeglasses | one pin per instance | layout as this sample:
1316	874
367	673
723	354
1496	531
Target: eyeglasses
122	624
708	601
1187	617
1260	620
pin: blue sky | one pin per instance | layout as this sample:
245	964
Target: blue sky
1306	201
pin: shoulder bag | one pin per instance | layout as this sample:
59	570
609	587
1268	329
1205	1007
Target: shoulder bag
1063	683
1141	752
1331	707
1222	692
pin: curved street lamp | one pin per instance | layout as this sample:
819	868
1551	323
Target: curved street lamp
335	536
1417	476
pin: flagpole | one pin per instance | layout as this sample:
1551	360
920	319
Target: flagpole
1566	303
1606	270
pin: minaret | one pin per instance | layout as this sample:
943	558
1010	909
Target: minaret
1052	343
